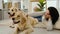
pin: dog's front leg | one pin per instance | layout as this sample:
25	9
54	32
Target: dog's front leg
16	29
28	31
12	26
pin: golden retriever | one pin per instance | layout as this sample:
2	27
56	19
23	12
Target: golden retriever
22	23
14	10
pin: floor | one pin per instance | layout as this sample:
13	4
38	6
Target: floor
4	29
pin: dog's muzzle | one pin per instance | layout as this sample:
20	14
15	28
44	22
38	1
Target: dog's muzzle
16	22
11	14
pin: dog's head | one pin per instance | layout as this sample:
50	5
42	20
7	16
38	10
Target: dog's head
17	15
19	18
16	19
12	11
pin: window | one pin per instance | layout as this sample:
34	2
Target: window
59	3
54	3
51	3
5	1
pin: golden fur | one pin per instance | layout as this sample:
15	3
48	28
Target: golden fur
33	21
26	23
23	25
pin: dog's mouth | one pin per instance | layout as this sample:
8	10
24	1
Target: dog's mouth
16	22
12	14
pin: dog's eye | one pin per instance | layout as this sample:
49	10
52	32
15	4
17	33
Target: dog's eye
18	16
12	10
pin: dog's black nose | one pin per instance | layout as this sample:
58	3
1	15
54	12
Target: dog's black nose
8	12
13	18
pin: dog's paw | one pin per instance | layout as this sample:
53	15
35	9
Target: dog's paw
11	26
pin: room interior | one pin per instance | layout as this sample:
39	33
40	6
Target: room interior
28	7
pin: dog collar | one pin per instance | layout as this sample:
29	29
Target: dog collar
16	22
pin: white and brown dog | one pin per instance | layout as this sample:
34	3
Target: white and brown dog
22	21
14	10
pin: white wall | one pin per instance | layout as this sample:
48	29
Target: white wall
59	6
55	3
51	3
34	4
1	4
28	5
14	1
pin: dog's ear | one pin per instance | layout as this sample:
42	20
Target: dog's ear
23	17
23	20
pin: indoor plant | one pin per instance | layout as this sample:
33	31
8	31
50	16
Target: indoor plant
40	5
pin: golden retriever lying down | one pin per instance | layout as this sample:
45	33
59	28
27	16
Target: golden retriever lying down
22	23
14	10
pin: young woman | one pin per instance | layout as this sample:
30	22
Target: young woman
51	17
